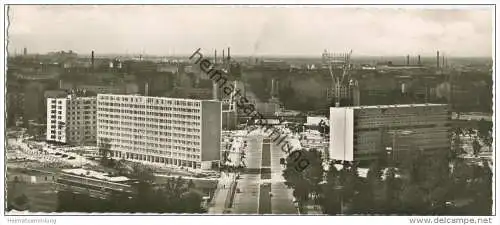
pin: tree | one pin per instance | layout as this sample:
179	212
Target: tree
371	196
104	150
324	128
330	197
437	183
484	128
191	202
457	149
476	147
304	172
411	200
391	191
142	172
20	202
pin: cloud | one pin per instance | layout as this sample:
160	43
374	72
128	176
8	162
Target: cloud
252	30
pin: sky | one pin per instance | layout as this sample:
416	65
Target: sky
252	30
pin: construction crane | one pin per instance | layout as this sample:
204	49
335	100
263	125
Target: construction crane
337	81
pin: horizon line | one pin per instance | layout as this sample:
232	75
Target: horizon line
282	55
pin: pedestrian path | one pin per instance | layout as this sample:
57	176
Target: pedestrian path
282	200
222	193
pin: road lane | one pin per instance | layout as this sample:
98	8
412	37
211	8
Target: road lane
282	200
247	201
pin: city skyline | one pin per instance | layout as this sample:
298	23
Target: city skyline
280	31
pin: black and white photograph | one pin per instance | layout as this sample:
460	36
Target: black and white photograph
292	110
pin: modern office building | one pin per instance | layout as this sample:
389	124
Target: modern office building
365	133
72	120
179	132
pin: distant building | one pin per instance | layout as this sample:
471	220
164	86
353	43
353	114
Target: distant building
31	190
171	131
71	120
120	88
229	120
312	139
33	108
274	64
366	133
316	120
267	109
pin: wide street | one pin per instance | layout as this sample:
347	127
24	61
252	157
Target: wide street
262	188
247	201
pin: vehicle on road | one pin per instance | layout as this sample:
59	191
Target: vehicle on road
58	153
71	157
64	155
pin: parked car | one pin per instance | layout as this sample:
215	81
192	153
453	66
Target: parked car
58	153
71	157
64	156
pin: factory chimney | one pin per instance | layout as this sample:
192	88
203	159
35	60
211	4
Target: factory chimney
228	54
146	89
443	61
215	57
437	58
223	56
25	51
272	88
407	60
419	60
92	60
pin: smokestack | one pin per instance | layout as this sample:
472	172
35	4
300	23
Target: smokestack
146	89
407	60
223	56
215	57
228	53
437	59
272	88
443	61
92	59
419	60
276	89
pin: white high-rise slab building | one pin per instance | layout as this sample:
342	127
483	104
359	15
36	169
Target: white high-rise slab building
72	120
171	131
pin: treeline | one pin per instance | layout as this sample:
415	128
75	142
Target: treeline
176	195
420	184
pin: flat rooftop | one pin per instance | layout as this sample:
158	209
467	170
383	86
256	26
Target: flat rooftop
96	175
392	106
156	97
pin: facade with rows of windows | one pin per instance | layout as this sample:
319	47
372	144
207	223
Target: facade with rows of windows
171	131
366	133
72	120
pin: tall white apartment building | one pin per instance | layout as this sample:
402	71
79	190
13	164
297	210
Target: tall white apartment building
172	131
72	120
365	133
